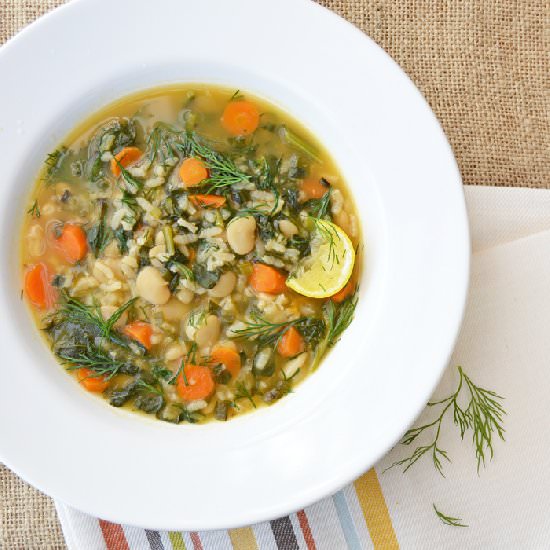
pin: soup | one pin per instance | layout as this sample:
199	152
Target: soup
189	253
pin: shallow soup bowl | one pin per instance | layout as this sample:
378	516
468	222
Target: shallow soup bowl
402	174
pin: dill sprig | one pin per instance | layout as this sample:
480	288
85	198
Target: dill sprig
244	393
132	184
73	310
448	520
34	210
338	319
165	141
101	362
264	332
53	162
331	237
483	415
223	172
319	208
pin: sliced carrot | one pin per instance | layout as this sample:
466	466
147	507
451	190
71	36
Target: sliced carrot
125	156
89	379
193	171
313	188
72	242
140	332
265	278
207	201
291	343
197	383
228	357
240	118
37	286
341	295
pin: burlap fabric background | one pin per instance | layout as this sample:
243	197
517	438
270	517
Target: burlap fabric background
483	66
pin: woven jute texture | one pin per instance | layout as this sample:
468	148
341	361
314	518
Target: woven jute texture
484	67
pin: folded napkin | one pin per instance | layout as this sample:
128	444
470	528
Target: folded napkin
504	346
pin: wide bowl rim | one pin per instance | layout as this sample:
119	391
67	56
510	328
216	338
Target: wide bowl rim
355	467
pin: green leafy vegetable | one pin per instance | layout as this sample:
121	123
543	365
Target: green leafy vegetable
99	235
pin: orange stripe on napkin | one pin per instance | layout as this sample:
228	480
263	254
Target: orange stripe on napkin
306	530
375	511
196	540
243	539
114	536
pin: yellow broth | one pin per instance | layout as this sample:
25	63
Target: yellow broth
138	282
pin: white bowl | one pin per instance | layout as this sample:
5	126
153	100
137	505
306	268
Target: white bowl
402	173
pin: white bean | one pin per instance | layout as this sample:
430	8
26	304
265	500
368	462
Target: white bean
152	287
293	365
35	241
208	333
185	295
287	228
174	310
224	286
174	351
241	234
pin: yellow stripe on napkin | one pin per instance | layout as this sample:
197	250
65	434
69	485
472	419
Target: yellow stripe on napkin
375	511
243	539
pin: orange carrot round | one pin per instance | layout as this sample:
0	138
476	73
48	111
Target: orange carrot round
207	201
313	188
240	118
125	156
291	343
93	383
265	278
37	286
198	383
192	171
341	295
228	357
140	332
72	242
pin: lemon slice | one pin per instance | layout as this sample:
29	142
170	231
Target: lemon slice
327	270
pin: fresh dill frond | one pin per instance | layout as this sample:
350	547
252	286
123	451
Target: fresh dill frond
53	162
132	184
339	318
74	311
113	319
483	415
330	236
166	141
34	210
264	332
141	384
319	208
101	362
191	356
237	96
223	172
244	393
448	520
183	271
180	370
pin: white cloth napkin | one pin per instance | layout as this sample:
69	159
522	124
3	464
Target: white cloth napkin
504	346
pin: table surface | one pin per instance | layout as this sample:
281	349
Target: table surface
483	66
